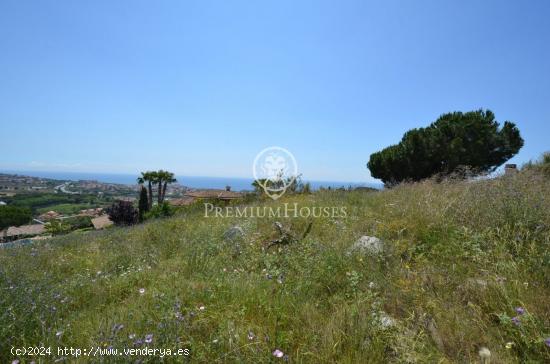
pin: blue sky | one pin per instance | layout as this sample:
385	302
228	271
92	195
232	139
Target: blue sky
200	87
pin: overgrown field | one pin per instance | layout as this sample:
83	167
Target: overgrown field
465	265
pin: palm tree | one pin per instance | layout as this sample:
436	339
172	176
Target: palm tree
168	178
163	179
150	177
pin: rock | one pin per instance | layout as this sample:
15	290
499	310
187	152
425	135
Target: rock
484	355
386	321
383	320
233	233
367	245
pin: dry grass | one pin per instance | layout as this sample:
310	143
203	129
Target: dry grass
459	258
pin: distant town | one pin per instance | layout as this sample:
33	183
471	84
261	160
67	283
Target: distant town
36	207
12	184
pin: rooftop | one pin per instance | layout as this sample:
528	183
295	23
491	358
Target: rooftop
23	230
101	222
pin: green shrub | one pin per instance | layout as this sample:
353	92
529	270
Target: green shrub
79	222
58	227
162	210
14	216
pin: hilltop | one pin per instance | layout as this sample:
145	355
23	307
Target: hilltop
459	266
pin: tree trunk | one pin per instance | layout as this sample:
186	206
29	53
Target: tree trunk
150	195
159	192
164	190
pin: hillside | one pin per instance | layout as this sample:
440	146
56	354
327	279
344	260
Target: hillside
463	265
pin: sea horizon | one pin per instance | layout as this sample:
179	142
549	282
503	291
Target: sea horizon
204	182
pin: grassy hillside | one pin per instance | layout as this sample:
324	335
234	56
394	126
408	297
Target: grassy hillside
460	259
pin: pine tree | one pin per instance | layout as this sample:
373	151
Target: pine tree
470	141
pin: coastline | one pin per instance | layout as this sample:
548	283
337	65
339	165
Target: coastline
199	182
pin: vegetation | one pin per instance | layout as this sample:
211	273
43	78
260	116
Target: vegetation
464	266
57	227
148	177
14	216
161	178
143	203
41	202
79	222
66	208
542	165
293	185
158	211
123	213
455	140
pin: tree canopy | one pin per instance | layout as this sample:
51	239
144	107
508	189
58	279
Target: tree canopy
161	178
455	140
14	216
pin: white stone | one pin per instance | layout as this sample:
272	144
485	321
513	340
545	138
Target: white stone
386	321
367	245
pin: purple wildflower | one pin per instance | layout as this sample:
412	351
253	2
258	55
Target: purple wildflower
16	361
149	338
520	310
516	321
547	342
138	342
141	290
278	353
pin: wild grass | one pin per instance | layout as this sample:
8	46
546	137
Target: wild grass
459	259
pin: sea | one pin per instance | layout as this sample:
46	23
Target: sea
237	184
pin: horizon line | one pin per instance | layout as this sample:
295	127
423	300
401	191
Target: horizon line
177	174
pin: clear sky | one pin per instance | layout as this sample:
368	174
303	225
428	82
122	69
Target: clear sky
200	87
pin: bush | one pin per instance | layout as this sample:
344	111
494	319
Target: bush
79	222
123	213
57	227
162	210
455	140
14	216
